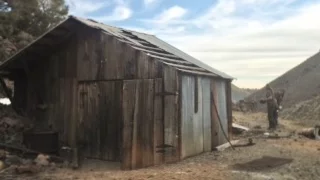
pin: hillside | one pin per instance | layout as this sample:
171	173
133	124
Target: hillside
305	111
301	83
240	93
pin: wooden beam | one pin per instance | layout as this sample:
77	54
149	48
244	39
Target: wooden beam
170	60
186	67
229	108
196	72
141	46
157	53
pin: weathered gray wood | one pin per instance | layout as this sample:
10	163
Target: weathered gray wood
187	112
214	116
147	122
143	66
229	108
226	145
170	114
102	119
129	95
206	113
138	106
167	55
200	73
171	60
158	123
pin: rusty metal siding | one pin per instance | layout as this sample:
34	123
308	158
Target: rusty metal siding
195	126
220	87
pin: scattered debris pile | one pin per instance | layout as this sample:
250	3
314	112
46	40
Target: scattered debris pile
245	106
10	163
12	125
313	133
238	129
306	112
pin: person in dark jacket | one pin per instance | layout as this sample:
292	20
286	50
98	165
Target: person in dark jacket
272	106
279	97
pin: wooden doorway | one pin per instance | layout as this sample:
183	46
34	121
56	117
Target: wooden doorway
100	119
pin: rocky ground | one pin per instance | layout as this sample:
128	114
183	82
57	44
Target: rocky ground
286	156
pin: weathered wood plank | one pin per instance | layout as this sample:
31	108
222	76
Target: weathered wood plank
229	108
214	116
130	62
187	110
158	123
73	120
61	116
171	60
170	114
167	55
206	113
209	74
142	66
147	123
135	145
129	95
113	57
139	118
88	58
186	67
102	121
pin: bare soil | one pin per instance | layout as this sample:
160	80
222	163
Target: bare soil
287	157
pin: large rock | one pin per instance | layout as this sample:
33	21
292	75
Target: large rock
42	160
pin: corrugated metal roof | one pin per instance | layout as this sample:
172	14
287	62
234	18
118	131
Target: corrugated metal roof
147	43
155	41
162	44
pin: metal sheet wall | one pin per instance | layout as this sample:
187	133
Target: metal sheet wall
195	125
206	111
220	99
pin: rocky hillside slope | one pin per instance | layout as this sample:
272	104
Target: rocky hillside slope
301	83
240	93
305	111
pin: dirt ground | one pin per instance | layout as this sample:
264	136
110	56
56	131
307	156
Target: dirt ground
288	157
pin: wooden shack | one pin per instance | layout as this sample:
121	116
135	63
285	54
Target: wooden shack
119	95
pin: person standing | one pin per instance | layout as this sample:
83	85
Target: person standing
272	107
279	97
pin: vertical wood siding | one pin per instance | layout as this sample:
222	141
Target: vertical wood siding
143	123
171	131
103	57
51	83
100	117
195	126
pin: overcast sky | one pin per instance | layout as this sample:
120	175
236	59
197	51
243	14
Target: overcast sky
252	40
